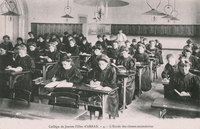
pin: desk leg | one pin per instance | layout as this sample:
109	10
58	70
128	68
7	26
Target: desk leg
162	113
40	101
151	71
44	72
11	86
11	82
103	106
124	99
140	81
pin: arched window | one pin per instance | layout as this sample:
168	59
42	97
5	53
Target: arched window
14	26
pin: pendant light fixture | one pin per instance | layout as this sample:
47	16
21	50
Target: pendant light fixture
101	7
154	12
67	11
168	10
9	8
174	13
101	11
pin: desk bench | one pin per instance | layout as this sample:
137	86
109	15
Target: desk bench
167	104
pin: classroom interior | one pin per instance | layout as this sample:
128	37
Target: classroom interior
45	16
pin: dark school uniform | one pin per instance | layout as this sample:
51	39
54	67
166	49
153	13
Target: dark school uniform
107	77
129	64
169	70
146	80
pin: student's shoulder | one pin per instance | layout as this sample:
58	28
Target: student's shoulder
112	69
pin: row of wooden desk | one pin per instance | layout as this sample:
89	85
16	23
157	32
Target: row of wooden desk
14	75
103	93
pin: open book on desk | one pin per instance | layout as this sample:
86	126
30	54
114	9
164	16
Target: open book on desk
183	95
59	84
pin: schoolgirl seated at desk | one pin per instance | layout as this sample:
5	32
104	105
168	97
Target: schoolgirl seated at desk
183	85
114	52
52	55
142	58
6	44
33	52
106	75
92	62
131	49
41	43
68	71
23	62
73	49
129	63
19	42
153	52
187	53
170	67
85	47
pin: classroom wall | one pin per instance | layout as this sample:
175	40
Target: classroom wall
187	12
52	10
198	12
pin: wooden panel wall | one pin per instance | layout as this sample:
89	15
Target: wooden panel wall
58	28
158	30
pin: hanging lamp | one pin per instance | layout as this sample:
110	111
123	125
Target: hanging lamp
101	7
8	8
174	13
111	3
67	11
154	11
168	10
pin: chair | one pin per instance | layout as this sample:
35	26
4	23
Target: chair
21	94
65	99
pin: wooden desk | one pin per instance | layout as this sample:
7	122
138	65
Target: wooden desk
45	66
166	88
166	104
82	87
140	67
20	109
195	71
125	76
13	76
86	56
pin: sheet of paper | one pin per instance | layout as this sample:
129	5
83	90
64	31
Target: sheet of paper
64	84
52	84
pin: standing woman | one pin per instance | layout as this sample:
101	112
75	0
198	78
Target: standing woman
121	38
143	59
106	75
23	62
